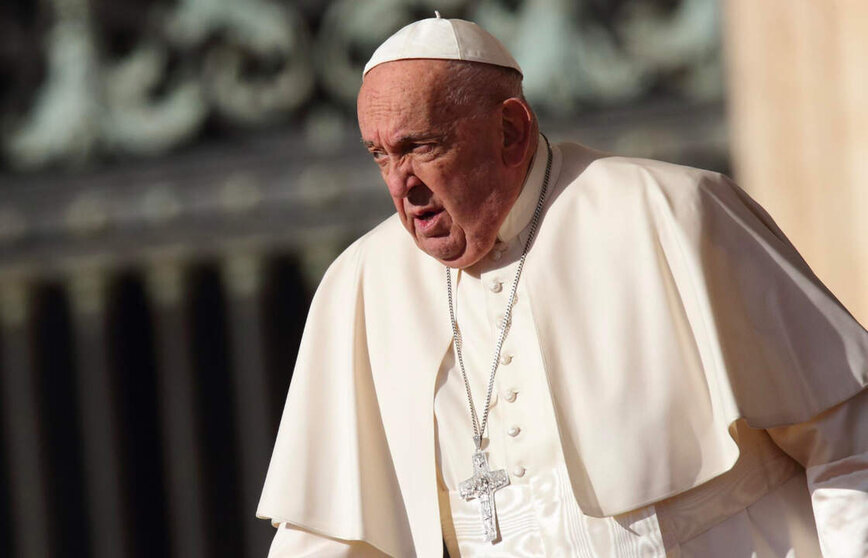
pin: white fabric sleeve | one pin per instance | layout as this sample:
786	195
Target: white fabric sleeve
293	542
833	448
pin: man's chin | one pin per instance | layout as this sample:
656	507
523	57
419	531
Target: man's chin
462	258
443	249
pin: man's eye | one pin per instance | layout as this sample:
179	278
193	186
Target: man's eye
423	148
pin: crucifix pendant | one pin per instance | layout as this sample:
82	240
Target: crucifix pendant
482	486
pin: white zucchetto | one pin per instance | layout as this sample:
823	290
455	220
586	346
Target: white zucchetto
447	39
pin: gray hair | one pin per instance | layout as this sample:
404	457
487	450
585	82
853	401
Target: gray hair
481	86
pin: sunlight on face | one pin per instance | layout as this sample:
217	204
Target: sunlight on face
442	165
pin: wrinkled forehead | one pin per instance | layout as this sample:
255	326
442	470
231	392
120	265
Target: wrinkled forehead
406	88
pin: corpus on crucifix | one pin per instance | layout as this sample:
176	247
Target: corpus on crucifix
482	485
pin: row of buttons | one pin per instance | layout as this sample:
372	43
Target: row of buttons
510	395
514	430
496	286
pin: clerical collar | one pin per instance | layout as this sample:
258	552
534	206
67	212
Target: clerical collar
522	210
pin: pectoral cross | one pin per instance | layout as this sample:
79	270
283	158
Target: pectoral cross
482	486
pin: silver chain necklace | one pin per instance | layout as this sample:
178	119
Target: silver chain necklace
484	481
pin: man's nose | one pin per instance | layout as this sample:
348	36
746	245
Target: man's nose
400	179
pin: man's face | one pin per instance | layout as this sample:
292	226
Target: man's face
443	166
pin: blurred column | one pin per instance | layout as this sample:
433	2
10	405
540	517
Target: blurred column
99	416
798	98
21	425
242	277
177	410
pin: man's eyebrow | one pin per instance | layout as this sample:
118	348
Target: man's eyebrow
409	138
413	138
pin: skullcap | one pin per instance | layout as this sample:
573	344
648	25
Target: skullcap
446	39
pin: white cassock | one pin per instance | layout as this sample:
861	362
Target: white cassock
675	382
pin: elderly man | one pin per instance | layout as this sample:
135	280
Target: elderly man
572	354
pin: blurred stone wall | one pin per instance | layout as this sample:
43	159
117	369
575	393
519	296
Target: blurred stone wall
90	80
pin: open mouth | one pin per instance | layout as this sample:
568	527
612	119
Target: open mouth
427	219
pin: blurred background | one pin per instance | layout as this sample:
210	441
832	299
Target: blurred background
175	175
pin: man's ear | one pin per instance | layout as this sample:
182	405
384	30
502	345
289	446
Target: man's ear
517	128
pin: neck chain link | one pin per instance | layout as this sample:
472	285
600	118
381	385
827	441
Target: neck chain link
479	427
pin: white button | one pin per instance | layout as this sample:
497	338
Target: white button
510	395
495	286
513	431
518	471
495	255
505	358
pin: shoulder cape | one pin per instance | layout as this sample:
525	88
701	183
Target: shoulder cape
667	305
354	457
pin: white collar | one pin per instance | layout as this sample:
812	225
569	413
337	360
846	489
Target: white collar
522	210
